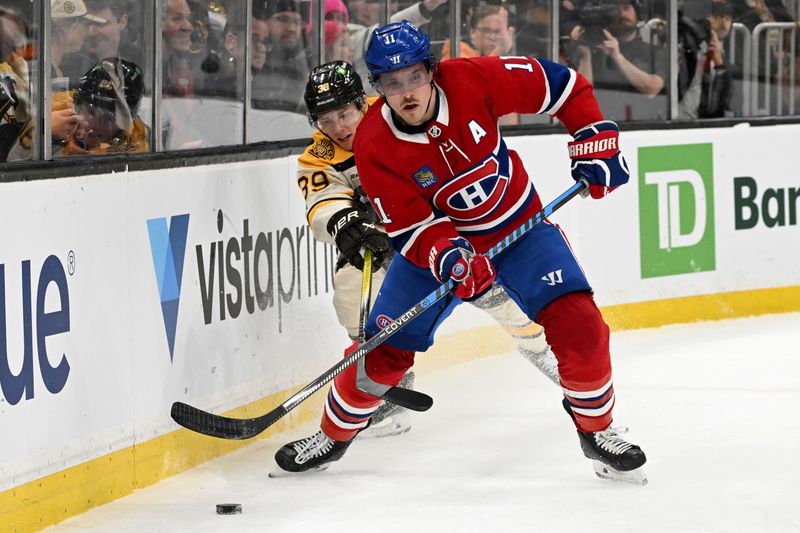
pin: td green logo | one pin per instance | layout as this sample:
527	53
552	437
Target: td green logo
676	209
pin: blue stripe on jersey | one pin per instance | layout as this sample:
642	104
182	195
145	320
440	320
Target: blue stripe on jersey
558	78
502	158
400	240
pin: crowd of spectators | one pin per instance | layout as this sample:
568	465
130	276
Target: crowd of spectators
621	46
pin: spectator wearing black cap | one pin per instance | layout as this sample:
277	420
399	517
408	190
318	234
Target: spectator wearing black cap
622	62
288	61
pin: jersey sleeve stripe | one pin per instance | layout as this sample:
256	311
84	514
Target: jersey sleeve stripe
396	233
564	93
412	239
597	127
546	99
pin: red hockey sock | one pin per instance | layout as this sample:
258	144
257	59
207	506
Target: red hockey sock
347	410
579	338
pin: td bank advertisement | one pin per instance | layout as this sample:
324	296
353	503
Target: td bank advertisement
719	213
676	209
706	211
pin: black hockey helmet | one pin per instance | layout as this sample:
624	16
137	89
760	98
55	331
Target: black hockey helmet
98	89
331	86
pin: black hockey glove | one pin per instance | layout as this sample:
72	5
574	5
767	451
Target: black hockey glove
352	230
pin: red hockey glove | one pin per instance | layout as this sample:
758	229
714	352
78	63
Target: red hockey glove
596	158
456	259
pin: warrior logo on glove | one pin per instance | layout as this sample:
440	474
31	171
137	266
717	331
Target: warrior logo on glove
596	158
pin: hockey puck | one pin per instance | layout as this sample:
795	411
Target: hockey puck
229	508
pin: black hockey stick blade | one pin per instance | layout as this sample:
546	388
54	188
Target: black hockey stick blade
221	426
408	398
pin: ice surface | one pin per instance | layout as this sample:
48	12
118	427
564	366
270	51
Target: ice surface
714	406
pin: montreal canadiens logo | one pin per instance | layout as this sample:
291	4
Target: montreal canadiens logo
474	194
382	321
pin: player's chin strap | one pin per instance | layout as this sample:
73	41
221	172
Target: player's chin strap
408	398
430	98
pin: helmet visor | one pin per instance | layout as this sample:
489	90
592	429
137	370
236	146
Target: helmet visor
344	117
404	80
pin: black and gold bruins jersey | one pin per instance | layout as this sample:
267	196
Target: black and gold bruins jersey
328	179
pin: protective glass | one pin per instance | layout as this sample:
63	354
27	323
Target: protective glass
96	127
264	43
403	81
489	32
288	20
343	117
18	33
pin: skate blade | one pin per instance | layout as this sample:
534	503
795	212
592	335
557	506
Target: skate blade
388	427
279	472
636	476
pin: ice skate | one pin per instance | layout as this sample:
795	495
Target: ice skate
310	454
612	456
390	419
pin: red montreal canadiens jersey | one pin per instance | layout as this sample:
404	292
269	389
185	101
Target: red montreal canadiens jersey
458	177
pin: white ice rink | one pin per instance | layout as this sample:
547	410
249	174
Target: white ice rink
716	407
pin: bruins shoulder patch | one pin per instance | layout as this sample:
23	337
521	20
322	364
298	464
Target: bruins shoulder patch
323	149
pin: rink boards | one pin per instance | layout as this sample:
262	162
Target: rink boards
123	293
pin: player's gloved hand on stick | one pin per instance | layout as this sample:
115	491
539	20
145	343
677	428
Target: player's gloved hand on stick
456	259
596	158
352	230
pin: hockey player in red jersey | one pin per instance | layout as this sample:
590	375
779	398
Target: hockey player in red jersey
435	167
339	213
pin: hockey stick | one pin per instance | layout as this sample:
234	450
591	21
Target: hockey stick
366	296
245	428
408	398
